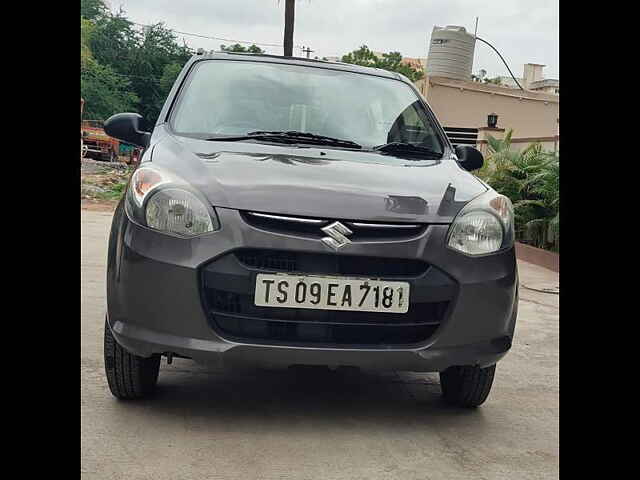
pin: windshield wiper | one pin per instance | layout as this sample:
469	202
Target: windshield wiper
238	138
408	149
289	137
320	139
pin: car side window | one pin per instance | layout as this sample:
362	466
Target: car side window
411	127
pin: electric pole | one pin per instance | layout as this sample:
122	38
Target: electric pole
289	14
307	50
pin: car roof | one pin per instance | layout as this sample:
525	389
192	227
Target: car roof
261	57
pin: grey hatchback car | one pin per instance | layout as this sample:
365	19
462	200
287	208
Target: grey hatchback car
300	212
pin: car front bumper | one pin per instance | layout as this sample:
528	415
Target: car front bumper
156	306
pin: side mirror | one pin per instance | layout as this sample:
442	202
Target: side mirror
128	127
469	157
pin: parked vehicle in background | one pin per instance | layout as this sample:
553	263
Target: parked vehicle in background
129	153
96	143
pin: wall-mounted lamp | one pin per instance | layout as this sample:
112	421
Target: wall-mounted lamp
492	120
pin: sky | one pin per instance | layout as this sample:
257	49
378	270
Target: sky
521	30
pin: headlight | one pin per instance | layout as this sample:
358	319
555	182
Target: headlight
162	201
484	225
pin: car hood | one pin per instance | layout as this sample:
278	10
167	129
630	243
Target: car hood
319	182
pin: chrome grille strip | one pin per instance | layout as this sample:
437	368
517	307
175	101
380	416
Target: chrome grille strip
382	225
315	221
288	219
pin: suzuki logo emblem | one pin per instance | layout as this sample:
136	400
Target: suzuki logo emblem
337	235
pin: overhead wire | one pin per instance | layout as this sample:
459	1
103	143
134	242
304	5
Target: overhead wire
209	37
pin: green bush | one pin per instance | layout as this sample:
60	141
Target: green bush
531	179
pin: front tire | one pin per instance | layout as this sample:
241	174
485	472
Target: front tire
466	386
129	376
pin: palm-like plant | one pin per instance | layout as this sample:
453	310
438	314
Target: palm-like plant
546	184
530	178
499	155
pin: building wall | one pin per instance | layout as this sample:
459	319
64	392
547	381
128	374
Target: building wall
467	104
532	73
509	82
550	89
415	63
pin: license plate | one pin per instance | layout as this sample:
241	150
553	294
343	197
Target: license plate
331	293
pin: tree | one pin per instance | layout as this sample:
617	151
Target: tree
93	9
156	50
169	76
114	41
495	81
105	92
391	61
480	77
363	56
239	48
140	57
254	49
86	30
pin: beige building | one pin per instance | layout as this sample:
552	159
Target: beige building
415	63
533	79
548	85
532	73
532	115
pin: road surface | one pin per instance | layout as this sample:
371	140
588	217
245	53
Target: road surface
316	423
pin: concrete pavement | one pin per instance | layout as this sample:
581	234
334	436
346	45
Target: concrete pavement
315	423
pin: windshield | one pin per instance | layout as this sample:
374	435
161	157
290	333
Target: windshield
238	97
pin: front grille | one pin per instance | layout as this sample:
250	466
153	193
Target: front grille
319	263
228	286
312	227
